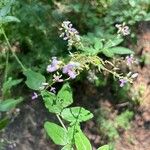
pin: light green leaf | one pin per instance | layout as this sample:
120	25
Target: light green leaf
76	114
112	42
9	19
34	79
107	53
56	133
104	147
98	45
81	141
64	96
5	10
51	102
67	147
132	3
147	17
9	104
120	50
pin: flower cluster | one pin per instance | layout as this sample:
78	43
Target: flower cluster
54	65
123	29
130	76
69	33
70	69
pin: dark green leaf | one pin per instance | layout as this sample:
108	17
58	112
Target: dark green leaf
34	79
76	114
9	104
56	133
3	123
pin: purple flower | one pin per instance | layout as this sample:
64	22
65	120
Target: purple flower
53	89
34	96
70	69
122	82
54	65
72	74
129	60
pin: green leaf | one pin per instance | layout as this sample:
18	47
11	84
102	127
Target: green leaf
120	50
3	123
76	114
9	19
51	102
81	141
34	79
147	17
98	45
67	147
55	104
132	3
104	147
9	104
56	133
64	96
9	84
107	53
5	10
113	42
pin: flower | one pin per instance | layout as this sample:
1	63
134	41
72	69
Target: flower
129	60
70	69
34	96
69	33
57	78
53	89
122	82
54	65
123	29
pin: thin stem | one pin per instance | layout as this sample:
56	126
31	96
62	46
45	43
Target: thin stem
8	43
61	122
6	66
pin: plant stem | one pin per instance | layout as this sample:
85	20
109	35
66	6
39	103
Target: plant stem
61	122
13	53
6	66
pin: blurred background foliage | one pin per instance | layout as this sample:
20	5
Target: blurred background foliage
36	37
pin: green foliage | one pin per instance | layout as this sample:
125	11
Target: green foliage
34	79
81	141
9	104
3	123
76	114
104	147
56	133
56	103
8	85
110	127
